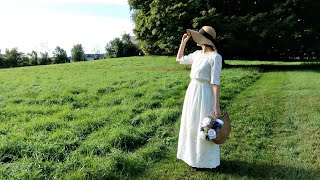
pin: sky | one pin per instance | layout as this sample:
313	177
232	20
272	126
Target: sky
42	25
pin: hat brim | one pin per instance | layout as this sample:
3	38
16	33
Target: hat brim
225	130
199	38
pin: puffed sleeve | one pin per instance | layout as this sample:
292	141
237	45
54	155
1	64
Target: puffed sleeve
216	70
188	59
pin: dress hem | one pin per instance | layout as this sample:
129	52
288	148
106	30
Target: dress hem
191	164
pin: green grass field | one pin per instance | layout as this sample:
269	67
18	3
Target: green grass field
119	119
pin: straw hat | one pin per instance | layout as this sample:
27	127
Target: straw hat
224	132
206	35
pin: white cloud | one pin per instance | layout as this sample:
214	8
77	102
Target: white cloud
42	30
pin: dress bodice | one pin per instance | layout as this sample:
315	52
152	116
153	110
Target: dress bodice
205	67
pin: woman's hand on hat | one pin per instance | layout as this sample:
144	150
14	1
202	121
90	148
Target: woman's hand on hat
185	38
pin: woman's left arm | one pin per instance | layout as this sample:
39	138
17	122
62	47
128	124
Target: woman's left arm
216	107
215	82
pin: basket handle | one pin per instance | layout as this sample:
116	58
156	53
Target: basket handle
220	117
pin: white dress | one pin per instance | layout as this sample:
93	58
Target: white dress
198	104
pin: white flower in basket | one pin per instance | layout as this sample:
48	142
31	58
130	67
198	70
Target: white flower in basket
209	128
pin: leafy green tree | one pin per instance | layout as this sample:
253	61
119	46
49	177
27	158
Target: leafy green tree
12	57
250	29
77	53
33	58
130	49
2	65
114	48
24	60
59	56
159	24
121	47
44	58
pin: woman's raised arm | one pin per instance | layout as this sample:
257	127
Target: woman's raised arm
184	41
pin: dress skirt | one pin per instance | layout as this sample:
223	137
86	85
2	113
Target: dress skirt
198	104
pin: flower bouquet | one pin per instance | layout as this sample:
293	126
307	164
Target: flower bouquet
209	127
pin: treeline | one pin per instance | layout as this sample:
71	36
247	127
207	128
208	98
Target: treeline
115	48
14	58
248	29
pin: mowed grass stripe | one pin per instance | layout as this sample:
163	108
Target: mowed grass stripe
273	123
278	98
298	142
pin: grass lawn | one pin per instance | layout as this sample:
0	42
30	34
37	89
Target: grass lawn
119	119
275	133
108	119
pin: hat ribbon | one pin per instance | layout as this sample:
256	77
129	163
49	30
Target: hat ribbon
208	36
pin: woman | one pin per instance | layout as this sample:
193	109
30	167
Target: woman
201	99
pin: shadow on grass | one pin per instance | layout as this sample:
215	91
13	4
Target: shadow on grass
276	67
265	171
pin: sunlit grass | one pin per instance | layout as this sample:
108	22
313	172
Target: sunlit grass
119	119
275	133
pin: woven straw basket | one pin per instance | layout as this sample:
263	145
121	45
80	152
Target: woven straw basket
224	132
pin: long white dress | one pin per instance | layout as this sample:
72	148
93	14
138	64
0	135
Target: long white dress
198	103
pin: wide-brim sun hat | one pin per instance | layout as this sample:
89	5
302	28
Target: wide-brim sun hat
205	36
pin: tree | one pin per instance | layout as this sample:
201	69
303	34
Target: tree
12	57
121	47
159	25
130	49
251	29
44	58
23	60
114	48
33	58
2	65
77	53
59	56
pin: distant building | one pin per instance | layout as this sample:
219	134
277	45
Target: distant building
90	57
